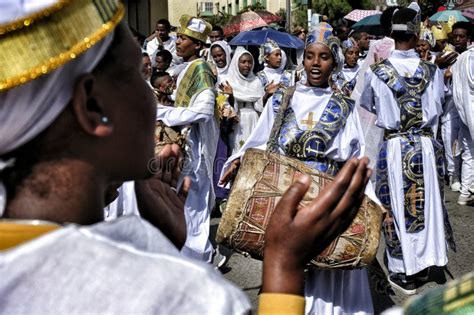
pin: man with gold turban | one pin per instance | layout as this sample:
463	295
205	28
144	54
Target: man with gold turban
195	106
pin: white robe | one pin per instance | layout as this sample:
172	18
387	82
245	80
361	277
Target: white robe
350	73
326	291
124	204
463	94
202	144
248	103
125	266
427	247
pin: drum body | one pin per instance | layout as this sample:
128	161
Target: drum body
262	179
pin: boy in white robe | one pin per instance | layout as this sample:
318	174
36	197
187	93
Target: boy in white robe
406	94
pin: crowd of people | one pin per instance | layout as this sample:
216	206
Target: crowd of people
94	218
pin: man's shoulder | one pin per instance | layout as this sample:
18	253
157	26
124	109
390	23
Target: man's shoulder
113	268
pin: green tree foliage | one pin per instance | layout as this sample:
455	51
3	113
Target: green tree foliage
220	19
428	7
254	7
333	9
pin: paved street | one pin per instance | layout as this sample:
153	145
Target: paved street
246	272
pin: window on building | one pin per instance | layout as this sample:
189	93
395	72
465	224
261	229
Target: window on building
207	7
229	8
244	4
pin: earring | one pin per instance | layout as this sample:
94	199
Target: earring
104	120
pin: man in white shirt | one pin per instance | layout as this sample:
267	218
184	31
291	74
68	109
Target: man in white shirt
162	40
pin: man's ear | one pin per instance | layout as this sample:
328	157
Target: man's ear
89	109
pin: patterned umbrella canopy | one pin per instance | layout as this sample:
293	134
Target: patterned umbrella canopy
249	21
357	15
443	16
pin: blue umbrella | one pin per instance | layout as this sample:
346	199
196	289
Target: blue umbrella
259	37
443	16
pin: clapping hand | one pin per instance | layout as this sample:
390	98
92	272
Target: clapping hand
297	234
158	200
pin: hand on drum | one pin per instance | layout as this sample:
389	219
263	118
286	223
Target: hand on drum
158	200
231	172
296	234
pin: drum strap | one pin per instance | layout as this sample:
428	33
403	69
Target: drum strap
285	96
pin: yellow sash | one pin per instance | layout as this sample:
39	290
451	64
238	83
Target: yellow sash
13	233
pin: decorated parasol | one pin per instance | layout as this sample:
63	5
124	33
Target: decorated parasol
357	15
443	16
248	21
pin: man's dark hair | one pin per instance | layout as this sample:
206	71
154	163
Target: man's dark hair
165	54
164	22
465	26
145	54
156	75
357	35
386	20
217	28
403	16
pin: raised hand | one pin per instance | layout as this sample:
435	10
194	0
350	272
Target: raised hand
226	88
158	200
297	234
272	87
444	60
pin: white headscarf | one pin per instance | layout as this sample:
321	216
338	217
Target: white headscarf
28	109
222	44
246	89
273	74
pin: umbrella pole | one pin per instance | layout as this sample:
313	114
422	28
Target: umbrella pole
288	16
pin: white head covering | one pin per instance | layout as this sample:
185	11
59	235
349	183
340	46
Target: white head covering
222	44
246	89
28	109
273	74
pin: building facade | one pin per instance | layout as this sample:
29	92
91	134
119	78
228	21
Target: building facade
143	14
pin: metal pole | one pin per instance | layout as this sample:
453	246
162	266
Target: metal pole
288	16
310	13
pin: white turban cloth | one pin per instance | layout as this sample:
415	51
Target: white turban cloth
28	109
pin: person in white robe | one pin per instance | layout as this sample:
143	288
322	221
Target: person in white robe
349	74
326	291
220	54
463	95
162	40
245	94
406	95
274	60
195	106
425	45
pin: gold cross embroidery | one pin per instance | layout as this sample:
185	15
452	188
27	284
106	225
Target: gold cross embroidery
309	122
